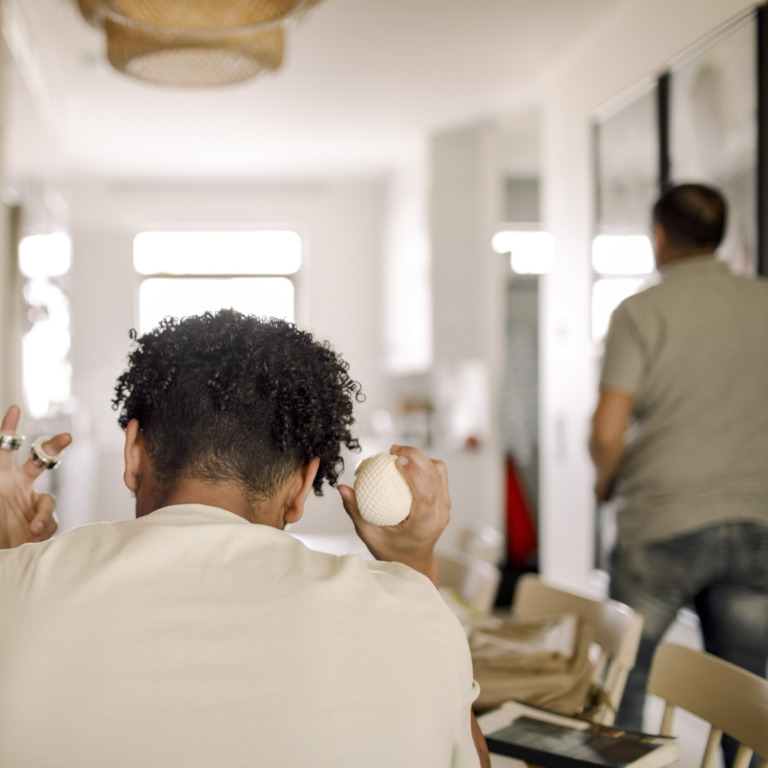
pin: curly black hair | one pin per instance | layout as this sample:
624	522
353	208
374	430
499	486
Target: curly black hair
238	398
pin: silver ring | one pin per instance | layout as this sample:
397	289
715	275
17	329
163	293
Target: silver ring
10	441
40	457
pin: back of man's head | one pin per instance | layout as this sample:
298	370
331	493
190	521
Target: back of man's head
232	398
693	217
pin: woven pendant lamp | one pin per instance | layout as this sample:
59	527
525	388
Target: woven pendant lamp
194	42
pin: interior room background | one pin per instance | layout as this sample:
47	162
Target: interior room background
398	273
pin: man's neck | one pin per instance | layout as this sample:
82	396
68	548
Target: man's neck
676	256
222	495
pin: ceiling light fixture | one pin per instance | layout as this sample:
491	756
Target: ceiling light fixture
194	42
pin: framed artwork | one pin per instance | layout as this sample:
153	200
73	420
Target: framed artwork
626	138
713	130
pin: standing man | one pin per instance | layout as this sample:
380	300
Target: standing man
680	438
201	634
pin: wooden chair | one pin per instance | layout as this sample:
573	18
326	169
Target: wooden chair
617	629
474	580
730	699
483	541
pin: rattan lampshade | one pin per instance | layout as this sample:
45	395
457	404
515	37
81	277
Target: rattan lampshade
170	58
193	42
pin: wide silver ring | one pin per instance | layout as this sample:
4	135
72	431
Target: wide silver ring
40	457
10	441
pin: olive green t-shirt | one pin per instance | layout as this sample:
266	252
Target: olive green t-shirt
693	351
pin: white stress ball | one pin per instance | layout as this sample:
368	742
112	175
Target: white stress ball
383	494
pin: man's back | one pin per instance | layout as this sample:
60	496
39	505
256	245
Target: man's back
193	638
693	351
679	436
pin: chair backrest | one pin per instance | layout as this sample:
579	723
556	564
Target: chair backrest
483	541
729	698
617	629
474	580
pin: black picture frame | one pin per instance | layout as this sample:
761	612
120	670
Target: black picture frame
712	122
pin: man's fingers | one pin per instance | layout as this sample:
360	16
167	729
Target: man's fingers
11	419
428	479
45	522
44	530
57	444
10	424
442	468
349	501
423	475
44	510
51	447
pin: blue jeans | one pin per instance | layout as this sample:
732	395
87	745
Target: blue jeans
722	572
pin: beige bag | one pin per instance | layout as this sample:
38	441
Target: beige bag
544	662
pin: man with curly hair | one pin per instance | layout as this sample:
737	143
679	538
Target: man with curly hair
201	634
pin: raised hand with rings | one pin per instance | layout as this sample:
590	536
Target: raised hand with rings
26	515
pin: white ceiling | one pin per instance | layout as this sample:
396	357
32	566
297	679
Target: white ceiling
364	83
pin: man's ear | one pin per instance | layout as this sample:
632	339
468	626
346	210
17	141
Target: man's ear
135	455
302	485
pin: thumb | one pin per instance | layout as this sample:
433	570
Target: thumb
349	502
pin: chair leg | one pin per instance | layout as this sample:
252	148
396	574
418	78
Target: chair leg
743	757
713	748
667	719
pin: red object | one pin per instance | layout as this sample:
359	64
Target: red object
521	533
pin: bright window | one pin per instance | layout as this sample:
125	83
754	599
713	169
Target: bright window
45	255
622	255
45	346
261	252
530	252
192	272
624	264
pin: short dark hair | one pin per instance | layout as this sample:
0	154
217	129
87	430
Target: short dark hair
693	216
237	398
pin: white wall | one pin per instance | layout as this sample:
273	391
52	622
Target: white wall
469	289
338	299
637	40
406	290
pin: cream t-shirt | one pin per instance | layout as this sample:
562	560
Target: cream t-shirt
193	638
